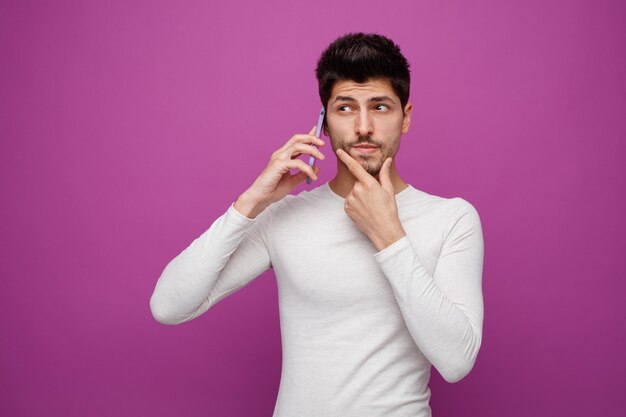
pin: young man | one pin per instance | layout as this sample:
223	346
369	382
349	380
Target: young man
377	280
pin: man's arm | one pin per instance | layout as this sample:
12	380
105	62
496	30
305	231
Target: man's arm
443	312
233	251
230	254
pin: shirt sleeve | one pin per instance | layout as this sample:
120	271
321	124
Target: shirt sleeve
443	312
225	258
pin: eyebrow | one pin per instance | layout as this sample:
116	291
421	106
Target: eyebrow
376	99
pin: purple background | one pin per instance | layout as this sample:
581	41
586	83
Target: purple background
127	127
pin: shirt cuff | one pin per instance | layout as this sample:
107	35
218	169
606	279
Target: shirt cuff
238	217
401	264
392	250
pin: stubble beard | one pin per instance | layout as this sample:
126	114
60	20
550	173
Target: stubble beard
371	163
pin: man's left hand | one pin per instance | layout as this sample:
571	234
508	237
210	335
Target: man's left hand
372	205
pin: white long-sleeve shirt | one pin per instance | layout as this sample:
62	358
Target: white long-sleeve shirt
360	327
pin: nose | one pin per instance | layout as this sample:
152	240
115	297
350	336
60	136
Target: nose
363	124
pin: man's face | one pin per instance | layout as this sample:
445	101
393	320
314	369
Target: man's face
366	120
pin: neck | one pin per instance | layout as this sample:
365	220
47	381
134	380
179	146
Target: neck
344	180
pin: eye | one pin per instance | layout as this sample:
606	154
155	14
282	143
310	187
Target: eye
382	107
343	108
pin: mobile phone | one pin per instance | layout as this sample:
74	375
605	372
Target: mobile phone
318	132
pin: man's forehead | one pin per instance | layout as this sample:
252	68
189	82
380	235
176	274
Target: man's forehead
369	88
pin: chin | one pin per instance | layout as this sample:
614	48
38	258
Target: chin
373	173
370	163
372	169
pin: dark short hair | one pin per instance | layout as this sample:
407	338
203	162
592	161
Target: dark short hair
360	57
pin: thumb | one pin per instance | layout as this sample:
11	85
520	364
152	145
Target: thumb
385	176
301	176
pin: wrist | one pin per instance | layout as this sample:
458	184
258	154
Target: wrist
248	206
390	237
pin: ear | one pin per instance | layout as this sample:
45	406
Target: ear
406	122
325	129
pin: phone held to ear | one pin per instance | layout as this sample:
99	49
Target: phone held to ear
318	132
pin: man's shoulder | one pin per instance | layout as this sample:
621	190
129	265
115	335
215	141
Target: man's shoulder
417	200
430	218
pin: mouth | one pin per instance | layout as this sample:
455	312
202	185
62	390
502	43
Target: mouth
365	148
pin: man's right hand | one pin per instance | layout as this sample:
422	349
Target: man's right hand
275	181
